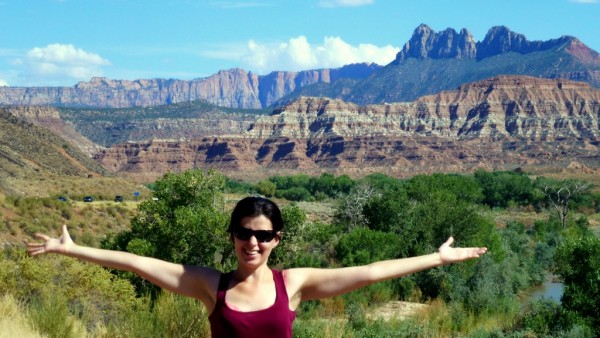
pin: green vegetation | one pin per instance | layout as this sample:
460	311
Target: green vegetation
375	217
180	110
94	122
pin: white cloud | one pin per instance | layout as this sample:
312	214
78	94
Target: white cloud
298	54
345	3
60	62
3	83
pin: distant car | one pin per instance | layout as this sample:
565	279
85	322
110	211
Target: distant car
88	199
118	198
62	198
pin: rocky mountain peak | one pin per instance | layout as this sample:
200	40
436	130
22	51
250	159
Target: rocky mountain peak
426	43
500	39
448	44
582	52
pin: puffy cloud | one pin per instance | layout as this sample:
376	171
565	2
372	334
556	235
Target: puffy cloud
60	62
299	54
344	3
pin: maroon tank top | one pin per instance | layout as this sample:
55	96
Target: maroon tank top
274	321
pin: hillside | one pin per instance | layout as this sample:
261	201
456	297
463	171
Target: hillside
28	151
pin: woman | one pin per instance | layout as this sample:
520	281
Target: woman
253	300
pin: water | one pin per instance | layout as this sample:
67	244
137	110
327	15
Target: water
550	289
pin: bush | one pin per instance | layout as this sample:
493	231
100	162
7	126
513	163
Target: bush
578	263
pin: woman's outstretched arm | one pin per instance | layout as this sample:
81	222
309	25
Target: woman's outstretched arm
308	283
197	282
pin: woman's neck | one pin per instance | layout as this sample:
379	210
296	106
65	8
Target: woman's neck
248	274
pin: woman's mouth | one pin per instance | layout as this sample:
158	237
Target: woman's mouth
251	252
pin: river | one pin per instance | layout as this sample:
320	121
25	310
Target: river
550	289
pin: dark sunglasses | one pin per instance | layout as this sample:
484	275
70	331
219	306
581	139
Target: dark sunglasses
263	236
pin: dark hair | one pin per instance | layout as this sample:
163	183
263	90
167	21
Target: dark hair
255	206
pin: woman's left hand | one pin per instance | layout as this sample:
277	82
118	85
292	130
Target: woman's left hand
449	254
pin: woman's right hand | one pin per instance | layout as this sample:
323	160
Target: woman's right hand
60	245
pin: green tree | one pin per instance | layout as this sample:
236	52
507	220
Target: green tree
500	188
187	224
465	188
266	188
295	222
387	211
363	246
578	263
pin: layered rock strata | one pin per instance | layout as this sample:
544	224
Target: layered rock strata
499	123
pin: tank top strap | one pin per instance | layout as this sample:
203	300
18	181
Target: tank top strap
223	285
279	284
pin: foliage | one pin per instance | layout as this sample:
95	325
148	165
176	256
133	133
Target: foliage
94	122
382	183
303	187
90	292
266	188
239	187
170	315
187	224
350	210
295	222
363	246
295	194
464	188
387	211
578	263
502	188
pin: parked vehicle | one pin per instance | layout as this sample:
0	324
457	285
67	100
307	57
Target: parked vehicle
88	199
118	198
62	198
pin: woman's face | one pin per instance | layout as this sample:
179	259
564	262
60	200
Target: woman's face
252	252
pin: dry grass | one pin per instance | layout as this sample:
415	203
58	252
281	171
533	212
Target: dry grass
396	310
13	320
50	185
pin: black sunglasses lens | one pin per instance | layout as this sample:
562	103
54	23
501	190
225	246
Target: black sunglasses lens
261	235
264	235
243	234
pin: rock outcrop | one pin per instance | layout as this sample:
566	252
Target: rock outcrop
234	88
499	123
448	44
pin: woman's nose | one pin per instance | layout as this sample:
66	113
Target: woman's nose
253	240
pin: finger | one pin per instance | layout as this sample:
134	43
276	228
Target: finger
42	236
36	252
449	241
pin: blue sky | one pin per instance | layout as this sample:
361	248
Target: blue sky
62	42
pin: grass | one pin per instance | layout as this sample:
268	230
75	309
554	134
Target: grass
14	322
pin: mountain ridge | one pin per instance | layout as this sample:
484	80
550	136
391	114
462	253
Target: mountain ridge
428	63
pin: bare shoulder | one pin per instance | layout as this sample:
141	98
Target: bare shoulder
296	277
201	283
